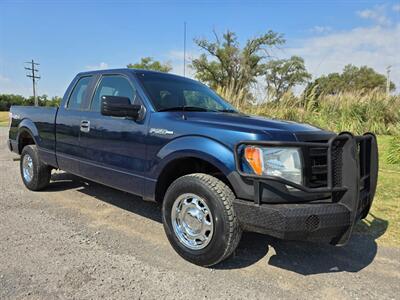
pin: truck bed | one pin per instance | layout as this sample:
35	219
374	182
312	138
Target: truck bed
39	121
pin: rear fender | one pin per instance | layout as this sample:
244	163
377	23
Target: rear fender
28	126
47	156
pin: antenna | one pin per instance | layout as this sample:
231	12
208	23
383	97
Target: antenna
184	48
34	77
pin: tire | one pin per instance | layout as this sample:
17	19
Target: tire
217	199
39	174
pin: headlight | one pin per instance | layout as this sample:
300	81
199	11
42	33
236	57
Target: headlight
281	162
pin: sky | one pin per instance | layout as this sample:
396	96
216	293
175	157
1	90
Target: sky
67	37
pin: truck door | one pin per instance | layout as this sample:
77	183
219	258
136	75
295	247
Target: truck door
113	148
68	123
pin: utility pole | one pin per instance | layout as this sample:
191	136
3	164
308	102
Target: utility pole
32	75
388	69
184	48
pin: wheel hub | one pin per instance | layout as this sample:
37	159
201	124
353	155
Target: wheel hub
192	221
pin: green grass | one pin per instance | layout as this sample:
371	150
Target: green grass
383	222
3	118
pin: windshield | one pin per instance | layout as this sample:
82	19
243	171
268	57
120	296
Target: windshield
169	93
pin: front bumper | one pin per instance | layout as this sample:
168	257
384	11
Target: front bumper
352	164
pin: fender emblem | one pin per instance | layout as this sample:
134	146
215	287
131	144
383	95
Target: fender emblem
160	131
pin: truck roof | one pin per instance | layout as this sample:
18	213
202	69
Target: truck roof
135	71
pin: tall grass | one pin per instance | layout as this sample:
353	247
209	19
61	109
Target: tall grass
238	100
357	112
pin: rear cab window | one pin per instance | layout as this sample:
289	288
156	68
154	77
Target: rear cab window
79	93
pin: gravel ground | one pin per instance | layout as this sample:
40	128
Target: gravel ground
80	240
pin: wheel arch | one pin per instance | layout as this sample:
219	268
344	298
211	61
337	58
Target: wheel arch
27	135
192	155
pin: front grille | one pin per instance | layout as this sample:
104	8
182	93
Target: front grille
317	171
317	167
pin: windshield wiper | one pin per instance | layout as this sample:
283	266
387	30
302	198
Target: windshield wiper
185	108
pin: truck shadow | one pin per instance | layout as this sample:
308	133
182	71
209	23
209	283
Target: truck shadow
120	199
308	258
300	257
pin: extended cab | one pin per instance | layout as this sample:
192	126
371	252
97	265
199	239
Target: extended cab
215	170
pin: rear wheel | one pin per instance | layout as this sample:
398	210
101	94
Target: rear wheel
35	174
199	219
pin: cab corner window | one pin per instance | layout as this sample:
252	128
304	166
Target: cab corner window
113	85
79	93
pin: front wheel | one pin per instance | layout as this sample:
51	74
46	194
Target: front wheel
199	219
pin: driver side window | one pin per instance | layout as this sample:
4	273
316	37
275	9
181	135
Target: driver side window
113	85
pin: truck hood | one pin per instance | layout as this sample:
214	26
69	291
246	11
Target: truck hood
253	124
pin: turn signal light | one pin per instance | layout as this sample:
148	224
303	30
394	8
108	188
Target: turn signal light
254	157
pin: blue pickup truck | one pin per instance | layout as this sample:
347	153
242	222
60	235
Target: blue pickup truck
215	170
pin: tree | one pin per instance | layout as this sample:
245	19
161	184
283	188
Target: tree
351	79
226	65
148	63
6	100
283	74
45	101
364	78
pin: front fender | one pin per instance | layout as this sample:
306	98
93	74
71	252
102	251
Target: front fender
200	147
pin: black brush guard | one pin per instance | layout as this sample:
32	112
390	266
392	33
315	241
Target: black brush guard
352	170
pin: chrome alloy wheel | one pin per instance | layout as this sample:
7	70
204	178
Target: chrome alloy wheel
192	221
27	168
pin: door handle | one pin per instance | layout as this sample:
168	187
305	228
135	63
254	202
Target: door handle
85	126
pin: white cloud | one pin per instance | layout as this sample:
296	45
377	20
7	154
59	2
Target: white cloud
176	55
321	29
374	46
175	59
396	7
100	66
376	14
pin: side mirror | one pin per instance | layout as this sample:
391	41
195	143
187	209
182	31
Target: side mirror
120	107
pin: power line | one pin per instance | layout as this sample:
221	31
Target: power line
32	75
